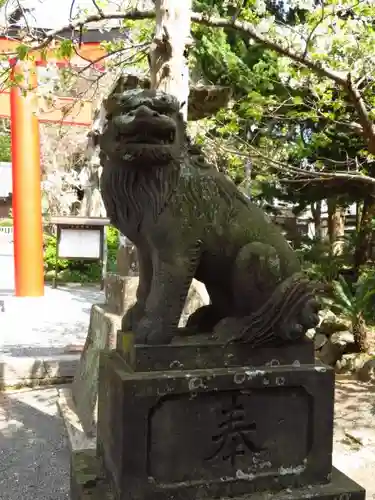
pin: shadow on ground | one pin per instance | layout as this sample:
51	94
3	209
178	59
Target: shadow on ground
34	458
355	404
354	436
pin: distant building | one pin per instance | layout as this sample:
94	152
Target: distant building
5	189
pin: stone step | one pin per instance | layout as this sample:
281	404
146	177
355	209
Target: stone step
86	464
28	371
120	292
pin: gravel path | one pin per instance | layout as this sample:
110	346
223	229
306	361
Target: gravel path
354	440
34	458
45	325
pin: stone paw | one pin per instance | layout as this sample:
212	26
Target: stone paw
304	318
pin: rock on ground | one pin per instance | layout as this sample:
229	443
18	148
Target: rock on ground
367	372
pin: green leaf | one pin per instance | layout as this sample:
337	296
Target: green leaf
297	100
342	299
22	51
43	55
65	49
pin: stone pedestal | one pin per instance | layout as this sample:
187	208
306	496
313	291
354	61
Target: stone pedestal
203	420
78	404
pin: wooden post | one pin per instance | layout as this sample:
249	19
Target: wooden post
27	204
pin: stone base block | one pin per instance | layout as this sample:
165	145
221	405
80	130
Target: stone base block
78	440
120	292
102	334
211	422
88	482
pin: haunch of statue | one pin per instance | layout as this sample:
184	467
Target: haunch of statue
189	220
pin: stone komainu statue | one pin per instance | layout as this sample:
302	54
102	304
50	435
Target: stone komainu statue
189	220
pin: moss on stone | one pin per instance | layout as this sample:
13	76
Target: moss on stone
88	480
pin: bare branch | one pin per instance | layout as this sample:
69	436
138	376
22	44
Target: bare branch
248	30
365	179
360	107
99	9
344	81
301	174
134	15
141	47
218	22
315	27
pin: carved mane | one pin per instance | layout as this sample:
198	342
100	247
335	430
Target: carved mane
132	195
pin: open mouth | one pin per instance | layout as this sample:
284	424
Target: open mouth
157	138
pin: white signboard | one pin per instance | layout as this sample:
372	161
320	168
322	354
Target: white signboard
79	243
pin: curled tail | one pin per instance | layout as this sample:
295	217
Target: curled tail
291	310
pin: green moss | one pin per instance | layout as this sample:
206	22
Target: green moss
87	477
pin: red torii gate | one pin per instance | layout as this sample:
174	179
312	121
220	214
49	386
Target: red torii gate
26	168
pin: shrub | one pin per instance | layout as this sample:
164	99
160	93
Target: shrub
79	270
112	247
320	263
6	223
354	302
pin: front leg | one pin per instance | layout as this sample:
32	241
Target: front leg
135	313
171	280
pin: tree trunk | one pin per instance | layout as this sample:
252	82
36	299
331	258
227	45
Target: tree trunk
168	61
358	215
92	203
336	226
316	211
364	240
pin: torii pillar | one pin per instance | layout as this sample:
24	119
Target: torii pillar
26	175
